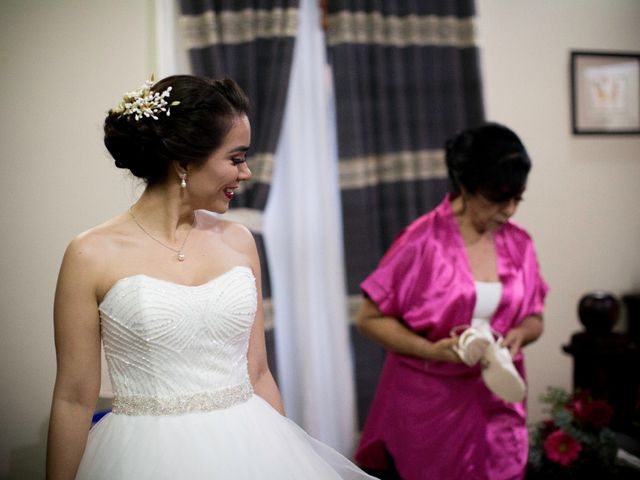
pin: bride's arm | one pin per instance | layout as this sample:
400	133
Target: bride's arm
261	378
77	340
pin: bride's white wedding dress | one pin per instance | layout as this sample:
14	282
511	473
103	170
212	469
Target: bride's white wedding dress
184	406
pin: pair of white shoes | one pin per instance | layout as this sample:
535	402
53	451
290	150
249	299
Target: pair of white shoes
498	372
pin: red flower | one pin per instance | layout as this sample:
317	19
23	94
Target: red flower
597	413
577	404
561	448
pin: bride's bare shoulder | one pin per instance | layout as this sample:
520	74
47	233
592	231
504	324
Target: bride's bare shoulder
97	244
232	233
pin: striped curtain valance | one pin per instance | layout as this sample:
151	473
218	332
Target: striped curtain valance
374	28
232	27
371	170
261	165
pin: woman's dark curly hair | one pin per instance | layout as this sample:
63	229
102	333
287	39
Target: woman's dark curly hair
489	160
195	128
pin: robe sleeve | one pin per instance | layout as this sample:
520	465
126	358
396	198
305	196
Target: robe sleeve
535	287
391	284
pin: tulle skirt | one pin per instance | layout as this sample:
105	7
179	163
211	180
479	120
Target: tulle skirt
250	440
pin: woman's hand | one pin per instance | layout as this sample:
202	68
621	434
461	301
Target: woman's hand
395	336
443	350
514	340
527	332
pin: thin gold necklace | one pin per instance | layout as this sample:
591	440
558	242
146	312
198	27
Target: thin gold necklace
179	252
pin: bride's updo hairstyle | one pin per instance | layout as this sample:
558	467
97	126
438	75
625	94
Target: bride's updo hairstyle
187	125
489	160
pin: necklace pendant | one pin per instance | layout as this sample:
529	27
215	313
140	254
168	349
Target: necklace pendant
180	257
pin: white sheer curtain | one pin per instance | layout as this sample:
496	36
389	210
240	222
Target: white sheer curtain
303	234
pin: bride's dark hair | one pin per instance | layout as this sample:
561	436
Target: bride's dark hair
194	129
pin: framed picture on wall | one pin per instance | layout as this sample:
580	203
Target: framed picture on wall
605	93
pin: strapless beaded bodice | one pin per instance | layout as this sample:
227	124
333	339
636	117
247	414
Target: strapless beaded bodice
172	348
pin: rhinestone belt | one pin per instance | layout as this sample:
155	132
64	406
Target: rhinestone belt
174	405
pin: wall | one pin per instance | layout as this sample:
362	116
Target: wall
64	63
582	202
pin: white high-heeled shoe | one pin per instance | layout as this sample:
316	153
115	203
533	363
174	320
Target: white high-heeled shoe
471	344
500	375
498	372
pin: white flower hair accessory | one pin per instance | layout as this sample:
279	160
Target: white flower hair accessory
145	103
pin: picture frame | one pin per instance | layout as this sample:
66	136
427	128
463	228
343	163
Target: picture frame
605	93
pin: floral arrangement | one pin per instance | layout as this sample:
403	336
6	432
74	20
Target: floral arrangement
145	103
575	442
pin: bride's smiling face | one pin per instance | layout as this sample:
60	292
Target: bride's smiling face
212	185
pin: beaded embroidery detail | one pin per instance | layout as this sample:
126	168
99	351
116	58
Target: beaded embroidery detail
174	348
197	402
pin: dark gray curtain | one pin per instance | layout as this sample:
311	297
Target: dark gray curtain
406	78
252	42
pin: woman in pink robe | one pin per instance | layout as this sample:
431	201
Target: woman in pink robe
432	416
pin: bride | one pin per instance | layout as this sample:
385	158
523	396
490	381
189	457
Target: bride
173	291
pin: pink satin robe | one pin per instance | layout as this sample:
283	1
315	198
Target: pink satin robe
437	420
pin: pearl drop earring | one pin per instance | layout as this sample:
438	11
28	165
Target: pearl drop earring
183	180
